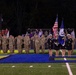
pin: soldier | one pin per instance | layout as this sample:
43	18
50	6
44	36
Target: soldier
37	43
4	43
27	43
56	44
11	43
69	44
19	43
42	43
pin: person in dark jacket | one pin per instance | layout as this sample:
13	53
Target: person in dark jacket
50	44
56	44
69	44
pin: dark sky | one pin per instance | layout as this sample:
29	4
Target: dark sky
19	15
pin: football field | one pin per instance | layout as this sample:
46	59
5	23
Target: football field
38	68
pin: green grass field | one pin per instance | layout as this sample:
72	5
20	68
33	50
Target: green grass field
36	68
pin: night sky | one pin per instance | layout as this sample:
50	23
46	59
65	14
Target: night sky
18	15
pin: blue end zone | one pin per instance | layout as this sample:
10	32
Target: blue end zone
32	58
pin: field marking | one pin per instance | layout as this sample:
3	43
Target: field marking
49	66
32	67
13	66
68	66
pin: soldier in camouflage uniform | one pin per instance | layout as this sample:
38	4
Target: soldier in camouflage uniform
42	43
37	43
11	43
27	43
4	43
19	43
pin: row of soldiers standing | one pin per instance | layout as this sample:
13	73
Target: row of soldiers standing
17	42
37	41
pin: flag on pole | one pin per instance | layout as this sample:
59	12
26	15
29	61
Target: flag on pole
55	27
61	33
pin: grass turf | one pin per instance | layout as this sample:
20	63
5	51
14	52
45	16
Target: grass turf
38	68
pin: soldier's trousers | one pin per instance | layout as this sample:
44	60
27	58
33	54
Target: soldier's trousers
19	47
27	47
37	47
11	48
4	48
43	48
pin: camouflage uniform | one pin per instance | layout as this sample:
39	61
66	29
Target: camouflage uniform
11	43
27	43
42	43
19	43
4	43
37	43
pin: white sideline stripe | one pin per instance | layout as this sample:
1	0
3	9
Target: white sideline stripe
68	66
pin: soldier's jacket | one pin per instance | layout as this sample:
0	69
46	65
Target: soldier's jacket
19	40
4	41
11	41
37	40
27	40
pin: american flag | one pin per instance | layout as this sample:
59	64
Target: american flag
55	27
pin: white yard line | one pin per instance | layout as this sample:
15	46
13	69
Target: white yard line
68	66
